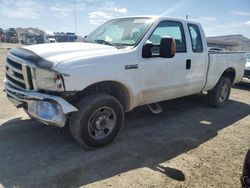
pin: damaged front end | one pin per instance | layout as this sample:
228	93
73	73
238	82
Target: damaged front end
45	108
26	76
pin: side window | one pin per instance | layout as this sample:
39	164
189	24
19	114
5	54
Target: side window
169	29
196	39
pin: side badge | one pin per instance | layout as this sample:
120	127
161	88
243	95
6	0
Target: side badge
131	66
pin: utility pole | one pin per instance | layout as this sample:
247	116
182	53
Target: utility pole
75	19
187	16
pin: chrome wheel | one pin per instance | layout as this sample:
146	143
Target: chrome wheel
224	92
101	123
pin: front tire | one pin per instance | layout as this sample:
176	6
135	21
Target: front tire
218	96
98	121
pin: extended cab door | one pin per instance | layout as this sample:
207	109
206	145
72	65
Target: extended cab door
165	78
197	57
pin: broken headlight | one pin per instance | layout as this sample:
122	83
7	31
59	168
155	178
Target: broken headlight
48	80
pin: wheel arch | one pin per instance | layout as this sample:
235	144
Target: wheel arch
230	73
113	88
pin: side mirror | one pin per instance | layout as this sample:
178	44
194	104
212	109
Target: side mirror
167	47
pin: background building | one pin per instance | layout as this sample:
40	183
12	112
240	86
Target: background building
230	42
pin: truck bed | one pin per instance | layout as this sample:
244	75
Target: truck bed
218	62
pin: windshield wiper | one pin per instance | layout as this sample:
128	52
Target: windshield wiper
104	42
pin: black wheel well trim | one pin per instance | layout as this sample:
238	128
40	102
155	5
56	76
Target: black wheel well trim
113	88
229	73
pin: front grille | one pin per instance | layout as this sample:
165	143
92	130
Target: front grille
15	83
14	64
18	74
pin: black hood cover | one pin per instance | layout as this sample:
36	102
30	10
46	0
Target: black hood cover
31	57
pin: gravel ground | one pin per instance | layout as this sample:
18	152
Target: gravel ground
188	145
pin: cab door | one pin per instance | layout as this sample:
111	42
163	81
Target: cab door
165	78
198	58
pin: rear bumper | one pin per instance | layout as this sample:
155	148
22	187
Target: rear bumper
46	108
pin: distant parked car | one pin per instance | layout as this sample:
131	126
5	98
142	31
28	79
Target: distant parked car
245	178
11	35
247	67
65	37
2	35
52	40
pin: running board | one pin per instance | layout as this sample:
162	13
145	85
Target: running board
155	108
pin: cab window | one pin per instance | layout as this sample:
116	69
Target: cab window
169	29
196	39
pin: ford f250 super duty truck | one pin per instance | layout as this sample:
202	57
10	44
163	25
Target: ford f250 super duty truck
125	63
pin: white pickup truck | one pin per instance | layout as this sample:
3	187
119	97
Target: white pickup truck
125	63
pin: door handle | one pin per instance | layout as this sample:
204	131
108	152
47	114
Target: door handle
188	64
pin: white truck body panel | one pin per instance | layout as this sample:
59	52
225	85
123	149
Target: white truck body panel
219	62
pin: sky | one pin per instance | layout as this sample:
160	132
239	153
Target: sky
218	17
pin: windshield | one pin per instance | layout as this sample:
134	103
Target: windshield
120	32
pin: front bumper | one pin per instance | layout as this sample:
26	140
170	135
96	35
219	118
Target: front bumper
46	108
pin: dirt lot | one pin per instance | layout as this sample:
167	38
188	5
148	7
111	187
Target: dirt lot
188	145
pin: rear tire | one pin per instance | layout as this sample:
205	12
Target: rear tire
98	121
218	96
